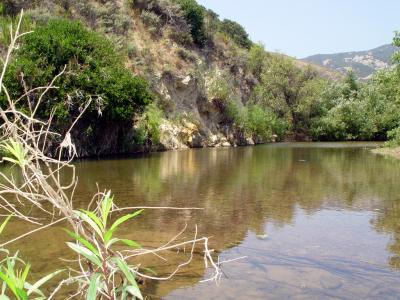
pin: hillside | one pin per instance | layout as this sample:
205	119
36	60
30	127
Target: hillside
170	74
363	63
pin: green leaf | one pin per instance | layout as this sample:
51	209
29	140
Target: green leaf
9	283
106	205
86	253
35	287
124	219
83	241
134	291
112	242
108	235
21	294
16	151
88	220
150	271
125	270
94	218
131	243
92	290
3	225
25	273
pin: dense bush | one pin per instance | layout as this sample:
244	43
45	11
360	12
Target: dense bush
218	85
236	32
194	14
256	57
93	71
394	137
263	124
147	131
255	121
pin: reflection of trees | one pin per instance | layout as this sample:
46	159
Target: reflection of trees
240	189
243	188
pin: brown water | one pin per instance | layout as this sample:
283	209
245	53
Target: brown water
316	221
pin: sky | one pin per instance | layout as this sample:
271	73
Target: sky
305	27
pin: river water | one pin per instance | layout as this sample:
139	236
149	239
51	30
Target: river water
314	220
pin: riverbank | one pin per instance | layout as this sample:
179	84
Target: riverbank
393	152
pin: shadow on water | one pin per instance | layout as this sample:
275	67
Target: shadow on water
315	220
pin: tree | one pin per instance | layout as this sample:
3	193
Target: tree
194	14
236	32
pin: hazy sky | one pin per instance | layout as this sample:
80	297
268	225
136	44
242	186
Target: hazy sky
304	27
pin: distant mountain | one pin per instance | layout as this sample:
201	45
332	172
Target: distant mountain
363	63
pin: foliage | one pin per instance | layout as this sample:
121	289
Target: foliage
218	85
194	14
14	153
148	127
394	137
14	273
263	124
285	89
93	70
236	32
255	121
105	264
256	58
151	20
6	22
354	111
396	42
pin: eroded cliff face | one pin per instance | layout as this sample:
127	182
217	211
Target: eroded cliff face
195	117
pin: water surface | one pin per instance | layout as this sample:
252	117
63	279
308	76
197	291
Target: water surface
315	220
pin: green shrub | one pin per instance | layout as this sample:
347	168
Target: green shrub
256	58
394	137
194	15
181	37
93	70
263	124
151	20
218	85
147	130
236	32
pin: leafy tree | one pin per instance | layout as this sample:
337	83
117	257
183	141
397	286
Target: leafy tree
236	32
194	14
396	42
93	70
256	58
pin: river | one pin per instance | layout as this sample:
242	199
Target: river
314	220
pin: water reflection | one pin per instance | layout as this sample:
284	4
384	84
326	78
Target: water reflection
315	220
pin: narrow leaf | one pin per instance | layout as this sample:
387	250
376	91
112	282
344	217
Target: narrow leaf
35	287
86	253
83	241
3	225
131	243
134	291
124	219
88	220
92	290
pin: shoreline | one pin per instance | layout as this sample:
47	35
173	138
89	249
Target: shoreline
386	151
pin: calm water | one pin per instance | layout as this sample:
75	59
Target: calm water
316	221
